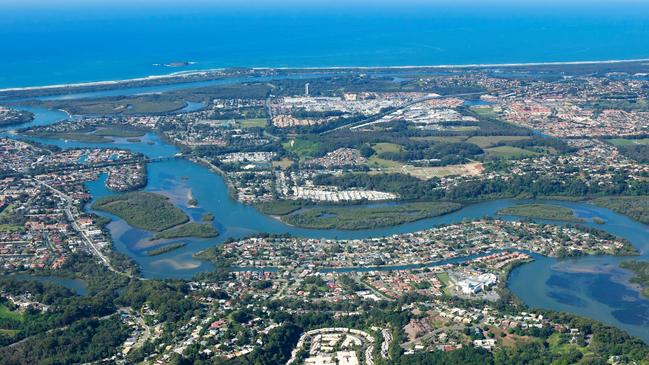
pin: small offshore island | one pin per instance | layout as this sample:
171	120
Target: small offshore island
365	216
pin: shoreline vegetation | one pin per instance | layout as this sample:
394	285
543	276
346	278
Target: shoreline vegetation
191	229
153	212
640	270
355	217
197	75
634	207
166	248
541	211
90	135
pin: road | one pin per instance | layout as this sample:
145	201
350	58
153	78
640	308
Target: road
374	118
92	247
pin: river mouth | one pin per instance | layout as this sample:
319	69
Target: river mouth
589	286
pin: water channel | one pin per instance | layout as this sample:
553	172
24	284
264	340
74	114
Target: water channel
594	287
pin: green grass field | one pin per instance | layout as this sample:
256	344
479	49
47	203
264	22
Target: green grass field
488	141
462	128
446	280
447	139
386	147
304	149
7	212
557	346
380	163
5	313
11	228
251	123
485	111
508	152
628	141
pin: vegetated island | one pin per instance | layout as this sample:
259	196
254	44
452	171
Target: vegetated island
164	249
640	270
541	211
191	229
360	217
153	212
88	135
636	207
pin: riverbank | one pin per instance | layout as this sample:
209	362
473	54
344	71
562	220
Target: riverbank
636	207
640	270
534	283
164	249
541	211
359	217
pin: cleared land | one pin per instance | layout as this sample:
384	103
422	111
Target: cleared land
485	111
284	163
252	123
628	141
448	139
380	163
541	211
489	141
425	173
386	147
351	218
636	207
302	148
509	152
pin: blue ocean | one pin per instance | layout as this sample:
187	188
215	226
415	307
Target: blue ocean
57	42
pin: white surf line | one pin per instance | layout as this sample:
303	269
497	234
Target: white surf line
320	68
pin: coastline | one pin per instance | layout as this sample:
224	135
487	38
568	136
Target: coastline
205	72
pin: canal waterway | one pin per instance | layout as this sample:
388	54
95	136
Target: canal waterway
594	287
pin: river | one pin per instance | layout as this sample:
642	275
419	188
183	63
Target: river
594	287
